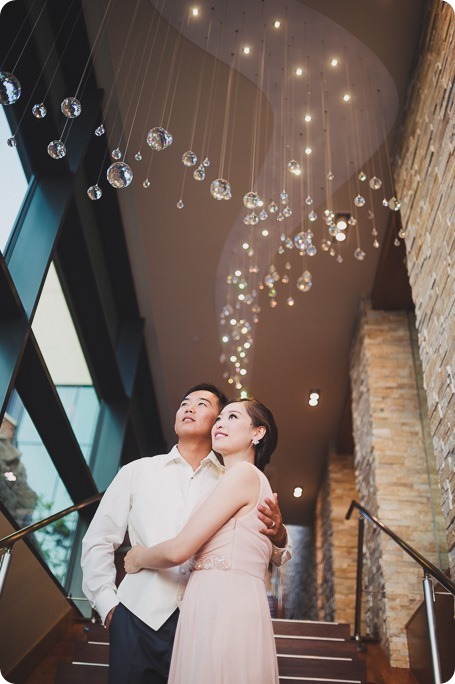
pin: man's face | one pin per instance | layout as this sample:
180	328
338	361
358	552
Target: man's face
196	415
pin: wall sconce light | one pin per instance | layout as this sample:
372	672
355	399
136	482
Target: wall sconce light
314	397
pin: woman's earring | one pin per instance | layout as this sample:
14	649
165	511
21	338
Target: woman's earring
255	441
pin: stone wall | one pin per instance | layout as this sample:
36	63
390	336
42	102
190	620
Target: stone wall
342	491
424	176
392	474
336	542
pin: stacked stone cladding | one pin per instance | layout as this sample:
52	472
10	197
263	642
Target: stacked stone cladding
391	473
424	178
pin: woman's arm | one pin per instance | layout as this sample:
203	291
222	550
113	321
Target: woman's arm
239	487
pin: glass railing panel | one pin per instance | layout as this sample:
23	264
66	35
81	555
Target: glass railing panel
31	488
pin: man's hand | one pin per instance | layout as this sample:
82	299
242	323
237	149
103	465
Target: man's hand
108	619
132	561
269	513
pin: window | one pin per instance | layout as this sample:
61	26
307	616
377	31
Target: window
57	338
13	183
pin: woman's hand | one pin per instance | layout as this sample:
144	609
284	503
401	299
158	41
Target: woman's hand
133	559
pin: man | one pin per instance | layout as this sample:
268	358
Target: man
153	498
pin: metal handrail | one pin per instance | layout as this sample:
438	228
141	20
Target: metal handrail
8	542
429	570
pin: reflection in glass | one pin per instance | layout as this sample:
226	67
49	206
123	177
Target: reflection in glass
31	488
13	183
56	335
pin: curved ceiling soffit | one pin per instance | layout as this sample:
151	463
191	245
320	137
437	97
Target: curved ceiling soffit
356	129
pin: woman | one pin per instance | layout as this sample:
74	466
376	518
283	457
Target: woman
225	633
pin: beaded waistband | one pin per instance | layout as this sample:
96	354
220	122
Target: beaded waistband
210	563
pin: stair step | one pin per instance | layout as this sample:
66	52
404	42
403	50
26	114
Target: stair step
96	632
300	645
91	652
70	673
319	630
320	667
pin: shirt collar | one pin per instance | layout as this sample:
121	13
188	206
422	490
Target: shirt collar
175	455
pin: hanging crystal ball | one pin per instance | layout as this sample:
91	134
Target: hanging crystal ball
280	216
220	189
116	154
300	240
11	142
396	242
119	175
71	107
251	200
294	167
375	183
138	156
146	184
385	202
394	204
325	245
206	162
10	88
311	250
309	200
359	254
303	283
94	192
359	201
362	176
100	131
180	204
263	215
56	149
39	111
375	244
158	138
189	158
312	216
287	211
330	175
199	173
284	197
273	207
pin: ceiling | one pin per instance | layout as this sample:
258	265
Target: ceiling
246	114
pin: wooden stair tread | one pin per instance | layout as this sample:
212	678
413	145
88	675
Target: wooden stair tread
310	666
68	673
87	652
299	644
322	630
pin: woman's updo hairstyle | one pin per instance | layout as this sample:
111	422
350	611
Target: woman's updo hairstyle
261	416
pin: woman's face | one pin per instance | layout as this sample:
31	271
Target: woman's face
233	431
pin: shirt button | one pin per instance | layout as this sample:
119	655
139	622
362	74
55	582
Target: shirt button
179	597
183	571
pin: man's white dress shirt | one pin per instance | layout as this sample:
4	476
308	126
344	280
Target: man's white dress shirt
152	498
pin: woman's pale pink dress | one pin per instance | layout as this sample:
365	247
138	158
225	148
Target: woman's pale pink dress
224	633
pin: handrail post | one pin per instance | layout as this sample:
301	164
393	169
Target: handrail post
428	594
5	560
358	588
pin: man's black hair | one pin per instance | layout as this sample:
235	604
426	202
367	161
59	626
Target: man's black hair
208	387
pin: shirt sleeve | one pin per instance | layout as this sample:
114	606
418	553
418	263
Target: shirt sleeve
281	555
104	535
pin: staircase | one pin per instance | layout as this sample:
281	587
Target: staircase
311	652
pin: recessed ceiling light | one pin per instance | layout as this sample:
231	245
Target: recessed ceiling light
265	232
298	491
346	97
308	118
195	11
308	150
246	50
299	71
334	62
277	24
340	236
